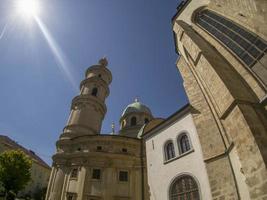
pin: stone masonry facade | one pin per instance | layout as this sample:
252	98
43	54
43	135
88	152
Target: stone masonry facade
228	100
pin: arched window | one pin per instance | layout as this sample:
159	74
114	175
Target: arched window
169	151
94	91
247	46
133	121
184	143
184	187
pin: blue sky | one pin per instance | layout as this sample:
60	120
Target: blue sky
36	90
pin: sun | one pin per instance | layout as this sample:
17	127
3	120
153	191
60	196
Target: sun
28	8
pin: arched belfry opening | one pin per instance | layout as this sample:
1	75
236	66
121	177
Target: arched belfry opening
94	91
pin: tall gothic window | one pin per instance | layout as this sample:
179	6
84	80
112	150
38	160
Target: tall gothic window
184	144
94	92
246	46
133	121
169	150
184	187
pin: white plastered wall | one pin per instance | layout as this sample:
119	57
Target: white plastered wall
160	175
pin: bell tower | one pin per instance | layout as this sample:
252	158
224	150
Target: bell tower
88	109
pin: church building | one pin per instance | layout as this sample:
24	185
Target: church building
213	148
93	166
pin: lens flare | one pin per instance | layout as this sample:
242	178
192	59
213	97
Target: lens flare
28	8
3	32
61	59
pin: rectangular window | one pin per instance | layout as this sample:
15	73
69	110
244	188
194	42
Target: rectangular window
71	196
99	148
74	173
124	150
123	176
96	174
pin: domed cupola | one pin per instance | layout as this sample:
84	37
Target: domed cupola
133	118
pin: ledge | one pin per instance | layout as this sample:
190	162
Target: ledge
180	8
179	156
218	156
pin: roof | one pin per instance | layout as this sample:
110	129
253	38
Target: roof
180	8
136	107
163	123
14	145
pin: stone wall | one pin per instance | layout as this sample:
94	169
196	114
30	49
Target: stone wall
227	100
84	154
251	14
213	147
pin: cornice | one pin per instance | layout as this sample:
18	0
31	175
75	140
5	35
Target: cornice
85	100
96	80
101	68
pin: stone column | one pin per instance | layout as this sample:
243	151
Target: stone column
50	183
81	183
56	185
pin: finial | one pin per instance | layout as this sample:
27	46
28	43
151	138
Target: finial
113	128
103	61
136	99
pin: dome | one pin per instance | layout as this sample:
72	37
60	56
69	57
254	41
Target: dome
136	107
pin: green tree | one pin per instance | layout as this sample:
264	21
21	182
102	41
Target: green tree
39	193
14	172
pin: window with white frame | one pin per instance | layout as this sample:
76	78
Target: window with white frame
169	150
183	143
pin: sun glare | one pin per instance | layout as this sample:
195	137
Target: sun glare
28	8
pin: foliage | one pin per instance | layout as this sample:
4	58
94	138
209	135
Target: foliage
1	190
14	171
39	193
